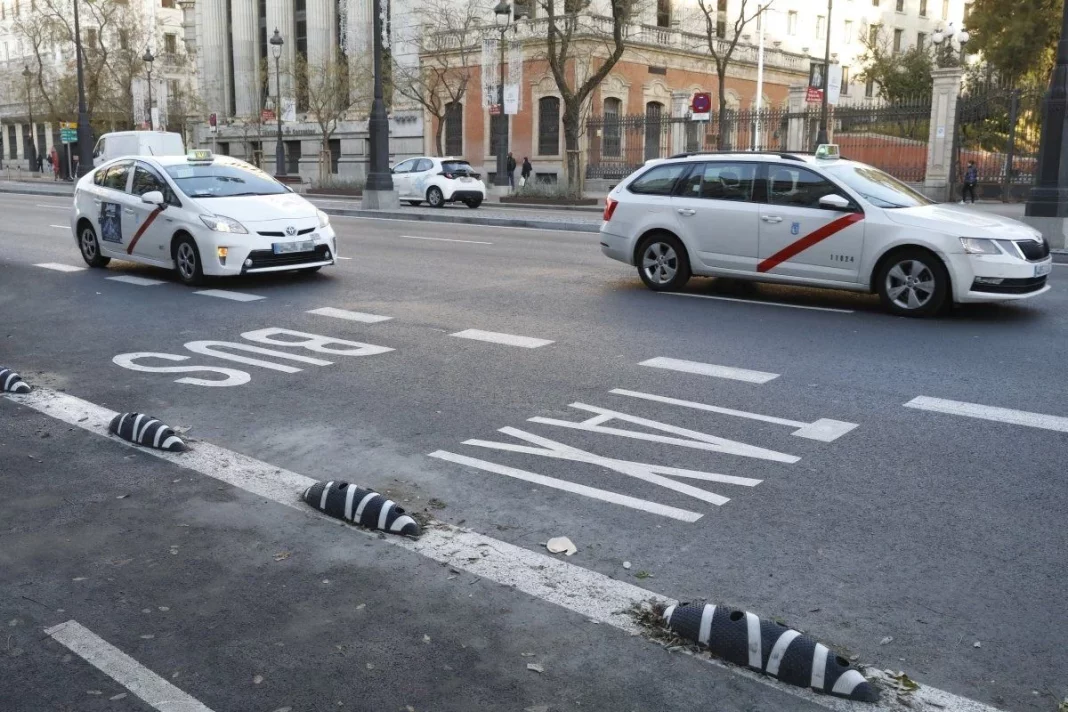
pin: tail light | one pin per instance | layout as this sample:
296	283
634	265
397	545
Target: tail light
609	208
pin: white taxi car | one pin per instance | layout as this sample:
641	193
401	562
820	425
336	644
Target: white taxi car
816	220
438	181
199	215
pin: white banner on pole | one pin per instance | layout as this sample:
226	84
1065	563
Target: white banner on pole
511	99
138	90
834	84
490	59
515	77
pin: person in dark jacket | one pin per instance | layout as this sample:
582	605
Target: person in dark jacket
526	170
511	170
971	178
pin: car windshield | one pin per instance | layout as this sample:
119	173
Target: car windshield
462	168
878	188
223	180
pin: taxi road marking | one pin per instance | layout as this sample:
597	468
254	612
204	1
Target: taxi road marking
226	294
350	315
710	369
990	412
139	281
816	236
526	342
58	267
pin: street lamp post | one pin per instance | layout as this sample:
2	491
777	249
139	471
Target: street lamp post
1049	196
378	193
30	148
945	37
821	135
85	132
502	15
149	59
279	149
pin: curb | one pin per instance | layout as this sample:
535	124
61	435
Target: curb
492	222
37	191
360	506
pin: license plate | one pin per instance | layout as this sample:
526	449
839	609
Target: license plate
1043	270
465	180
281	248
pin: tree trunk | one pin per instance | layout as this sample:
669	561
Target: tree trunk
723	140
438	131
324	149
572	129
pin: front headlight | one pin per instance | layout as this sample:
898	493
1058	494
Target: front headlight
324	219
221	223
980	246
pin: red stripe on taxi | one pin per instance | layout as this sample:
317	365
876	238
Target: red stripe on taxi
814	237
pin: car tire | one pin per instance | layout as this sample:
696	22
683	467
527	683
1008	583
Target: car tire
187	262
415	203
434	197
663	263
90	247
913	282
473	203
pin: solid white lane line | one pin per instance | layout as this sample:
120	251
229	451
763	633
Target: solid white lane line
988	412
349	315
583	591
123	669
495	337
443	239
61	227
464	225
757	301
139	281
225	294
58	267
710	369
53	207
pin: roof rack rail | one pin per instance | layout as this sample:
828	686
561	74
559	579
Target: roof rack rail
791	155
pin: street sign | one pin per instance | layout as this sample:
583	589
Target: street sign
68	125
68	135
701	106
213	122
816	83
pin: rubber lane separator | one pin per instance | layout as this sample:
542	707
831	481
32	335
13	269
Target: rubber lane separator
59	267
588	593
495	337
989	412
349	315
226	294
710	369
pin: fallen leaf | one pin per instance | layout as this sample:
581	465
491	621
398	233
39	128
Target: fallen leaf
122	496
643	575
426	638
626	564
887	640
147	636
257	680
905	684
535	667
370	666
527	655
94	692
361	606
561	545
977	644
281	556
164	608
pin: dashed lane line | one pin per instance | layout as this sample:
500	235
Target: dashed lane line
588	593
139	281
61	227
350	315
496	337
1057	423
710	369
60	267
123	669
758	301
226	294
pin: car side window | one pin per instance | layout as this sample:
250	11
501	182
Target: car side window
116	177
98	177
798	187
721	181
145	181
404	167
425	164
659	180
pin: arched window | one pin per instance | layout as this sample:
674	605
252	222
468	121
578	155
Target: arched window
548	126
612	143
454	129
653	128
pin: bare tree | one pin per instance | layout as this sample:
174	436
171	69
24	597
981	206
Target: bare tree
722	37
332	85
450	45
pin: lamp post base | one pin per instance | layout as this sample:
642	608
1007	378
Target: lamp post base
380	200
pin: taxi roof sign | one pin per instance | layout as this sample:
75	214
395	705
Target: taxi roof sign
828	151
200	154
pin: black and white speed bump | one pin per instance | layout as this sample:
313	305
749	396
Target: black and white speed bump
145	430
743	638
361	506
11	382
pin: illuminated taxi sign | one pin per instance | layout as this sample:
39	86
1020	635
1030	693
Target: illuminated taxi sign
200	155
828	151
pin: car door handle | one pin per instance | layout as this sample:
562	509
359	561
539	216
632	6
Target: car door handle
687	212
128	211
771	218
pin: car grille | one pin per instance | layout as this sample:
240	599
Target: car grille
1011	286
267	258
1034	251
279	233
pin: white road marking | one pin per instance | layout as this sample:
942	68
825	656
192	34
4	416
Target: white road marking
710	369
58	267
61	227
757	301
123	669
465	226
342	258
824	429
139	281
226	294
526	342
53	207
585	592
349	315
989	412
444	239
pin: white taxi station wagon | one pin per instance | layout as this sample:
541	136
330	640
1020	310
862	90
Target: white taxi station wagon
198	215
816	220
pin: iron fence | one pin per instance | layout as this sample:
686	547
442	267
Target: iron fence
999	130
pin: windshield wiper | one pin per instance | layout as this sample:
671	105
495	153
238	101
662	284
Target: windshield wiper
233	195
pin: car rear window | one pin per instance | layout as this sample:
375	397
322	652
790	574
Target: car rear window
659	180
457	167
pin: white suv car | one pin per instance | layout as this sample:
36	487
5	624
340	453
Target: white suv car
438	181
816	221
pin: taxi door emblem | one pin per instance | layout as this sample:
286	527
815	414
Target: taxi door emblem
795	228
291	231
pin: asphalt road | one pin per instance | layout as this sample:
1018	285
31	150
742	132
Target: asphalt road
933	530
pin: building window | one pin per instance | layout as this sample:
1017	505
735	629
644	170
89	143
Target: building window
921	41
167	3
848	35
16	8
653	127
301	22
12	142
611	144
335	154
293	157
548	126
263	63
454	129
495	125
869	88
124	39
228	62
791	22
875	3
898	35
223	148
90	37
945	9
923	8
663	13
873	35
900	6
170	43
821	26
845	81
721	19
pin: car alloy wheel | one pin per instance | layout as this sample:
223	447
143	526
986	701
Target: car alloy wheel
89	251
910	285
435	197
660	262
186	259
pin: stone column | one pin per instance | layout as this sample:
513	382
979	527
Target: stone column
211	54
321	41
944	96
280	15
680	109
796	135
245	29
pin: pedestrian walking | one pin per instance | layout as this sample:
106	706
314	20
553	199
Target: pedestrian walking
971	178
53	158
525	171
41	162
511	170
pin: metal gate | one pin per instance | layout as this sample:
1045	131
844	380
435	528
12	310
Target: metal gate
999	129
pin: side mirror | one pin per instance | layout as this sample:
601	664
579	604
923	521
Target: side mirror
153	197
834	202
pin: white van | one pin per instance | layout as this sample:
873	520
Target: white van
137	143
